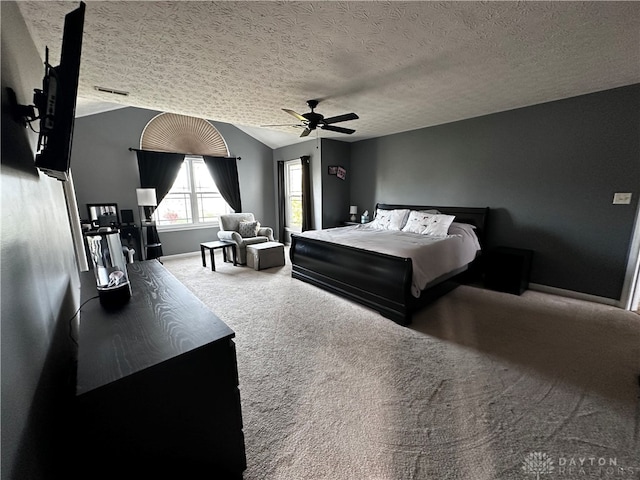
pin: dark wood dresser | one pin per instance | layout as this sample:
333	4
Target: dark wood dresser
157	385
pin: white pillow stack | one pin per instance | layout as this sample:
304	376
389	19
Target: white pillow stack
424	222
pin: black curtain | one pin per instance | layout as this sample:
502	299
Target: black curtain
157	170
225	175
306	193
282	202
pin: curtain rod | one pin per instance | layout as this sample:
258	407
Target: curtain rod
131	149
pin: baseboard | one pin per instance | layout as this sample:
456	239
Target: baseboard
572	294
180	255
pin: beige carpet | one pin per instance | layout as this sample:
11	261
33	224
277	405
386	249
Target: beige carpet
482	386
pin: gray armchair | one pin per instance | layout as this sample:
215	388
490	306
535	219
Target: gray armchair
230	231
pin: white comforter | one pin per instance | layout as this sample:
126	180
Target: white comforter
431	256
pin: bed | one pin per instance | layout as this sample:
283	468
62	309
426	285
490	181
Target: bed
383	278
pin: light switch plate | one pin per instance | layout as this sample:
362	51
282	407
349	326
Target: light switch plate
621	198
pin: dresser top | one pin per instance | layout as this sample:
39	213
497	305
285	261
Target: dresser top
162	320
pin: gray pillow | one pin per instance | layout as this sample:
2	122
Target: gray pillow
248	229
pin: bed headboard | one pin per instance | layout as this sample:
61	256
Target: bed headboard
476	216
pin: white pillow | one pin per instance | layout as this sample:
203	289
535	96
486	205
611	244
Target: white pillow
381	220
417	221
390	219
398	218
439	225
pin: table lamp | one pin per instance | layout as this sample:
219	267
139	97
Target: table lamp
353	210
146	198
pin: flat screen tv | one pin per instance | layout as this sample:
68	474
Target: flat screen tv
56	102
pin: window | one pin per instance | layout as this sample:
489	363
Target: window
193	199
293	192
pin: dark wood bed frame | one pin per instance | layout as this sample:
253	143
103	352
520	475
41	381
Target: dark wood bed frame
377	280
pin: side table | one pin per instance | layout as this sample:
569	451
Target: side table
211	246
508	269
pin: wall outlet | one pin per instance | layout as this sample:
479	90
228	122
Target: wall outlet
621	198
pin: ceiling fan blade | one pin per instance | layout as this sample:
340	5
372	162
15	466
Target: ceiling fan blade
341	118
297	115
306	132
348	131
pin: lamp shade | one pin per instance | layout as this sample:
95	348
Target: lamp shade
353	209
146	197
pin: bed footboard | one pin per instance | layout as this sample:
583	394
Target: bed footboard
376	280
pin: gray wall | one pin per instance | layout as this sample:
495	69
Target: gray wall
335	191
331	195
548	172
104	170
39	278
313	149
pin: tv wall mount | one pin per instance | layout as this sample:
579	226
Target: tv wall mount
44	107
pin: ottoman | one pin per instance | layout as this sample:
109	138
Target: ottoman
265	255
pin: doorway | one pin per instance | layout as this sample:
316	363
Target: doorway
630	299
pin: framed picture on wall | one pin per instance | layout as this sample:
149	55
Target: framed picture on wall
333	170
341	173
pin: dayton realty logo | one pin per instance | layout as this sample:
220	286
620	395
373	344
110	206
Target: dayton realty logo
537	463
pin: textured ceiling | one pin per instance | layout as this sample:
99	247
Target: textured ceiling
399	65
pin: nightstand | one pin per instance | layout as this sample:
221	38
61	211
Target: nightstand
508	269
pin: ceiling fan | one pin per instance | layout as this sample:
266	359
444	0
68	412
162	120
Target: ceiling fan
313	120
